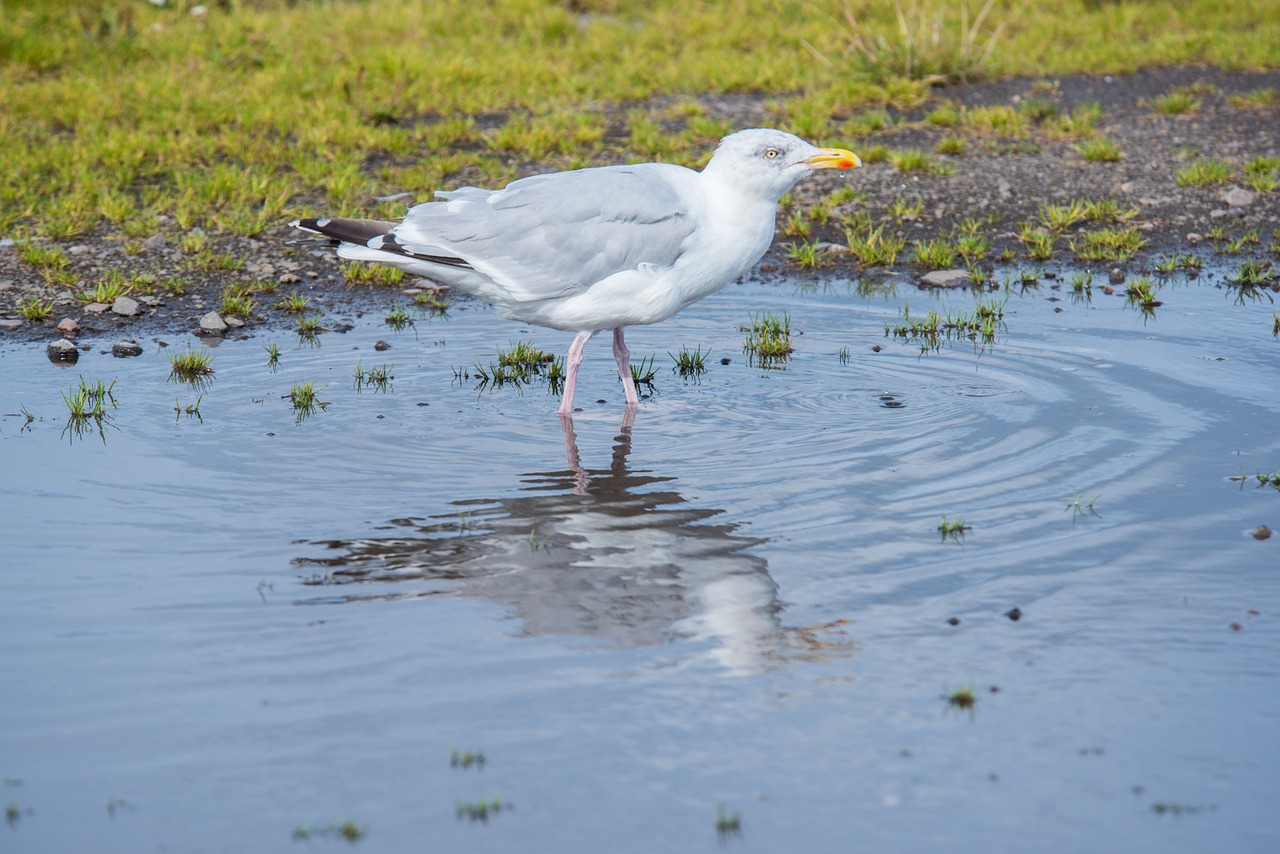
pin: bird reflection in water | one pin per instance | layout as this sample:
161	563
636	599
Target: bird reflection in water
613	554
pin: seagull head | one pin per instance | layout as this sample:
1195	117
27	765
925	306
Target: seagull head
767	163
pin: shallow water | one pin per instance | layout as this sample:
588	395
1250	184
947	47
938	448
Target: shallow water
218	630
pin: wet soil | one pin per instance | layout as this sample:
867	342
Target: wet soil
1002	180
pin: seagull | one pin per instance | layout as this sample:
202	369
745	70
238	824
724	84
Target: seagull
597	249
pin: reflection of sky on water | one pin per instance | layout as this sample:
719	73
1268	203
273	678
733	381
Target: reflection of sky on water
610	553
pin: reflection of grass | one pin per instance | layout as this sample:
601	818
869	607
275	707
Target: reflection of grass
190	365
466	760
962	697
378	378
89	406
768	339
304	396
481	810
1081	505
728	824
347	830
953	529
690	362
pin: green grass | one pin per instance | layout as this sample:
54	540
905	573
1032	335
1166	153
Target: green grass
643	373
360	273
1177	102
347	830
304	397
397	318
1205	172
914	160
235	121
377	378
690	363
981	326
963	698
952	529
728	824
937	254
1108	244
805	255
90	400
432	302
951	145
1141	293
190	365
1099	150
1057	218
294	303
36	309
467	759
768	339
480	811
1255	98
872	248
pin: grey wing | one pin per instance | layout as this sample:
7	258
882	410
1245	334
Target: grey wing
555	235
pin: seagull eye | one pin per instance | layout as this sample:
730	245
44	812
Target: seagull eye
771	153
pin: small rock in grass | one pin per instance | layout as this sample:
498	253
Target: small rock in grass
62	350
124	349
1238	197
945	279
213	323
126	307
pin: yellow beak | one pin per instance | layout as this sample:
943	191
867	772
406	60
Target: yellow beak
835	158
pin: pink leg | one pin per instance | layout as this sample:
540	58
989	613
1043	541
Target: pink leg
623	355
572	362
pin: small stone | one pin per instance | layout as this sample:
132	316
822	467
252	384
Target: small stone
213	322
62	350
954	621
412	292
124	349
96	307
10	323
234	322
1004	188
1261	532
945	279
1014	614
1238	197
289	279
381	345
1194	237
154	242
67	326
1116	275
126	307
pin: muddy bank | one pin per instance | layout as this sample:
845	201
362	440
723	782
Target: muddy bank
1003	180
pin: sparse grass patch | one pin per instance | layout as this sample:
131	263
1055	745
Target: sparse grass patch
1081	505
1142	294
728	824
1057	218
804	255
1263	174
481	810
872	248
190	366
347	830
643	373
998	119
1038	241
1099	150
690	363
432	302
378	378
952	529
113	284
874	154
89	405
467	759
304	397
294	303
1255	98
768	339
1108	244
397	318
236	302
901	209
914	160
933	329
41	256
1203	172
1108	210
953	146
362	273
937	254
963	698
36	309
1177	102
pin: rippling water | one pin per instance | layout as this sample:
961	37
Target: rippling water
219	630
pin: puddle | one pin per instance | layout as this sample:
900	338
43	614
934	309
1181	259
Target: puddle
225	627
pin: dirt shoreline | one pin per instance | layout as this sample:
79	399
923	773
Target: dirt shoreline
1006	180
